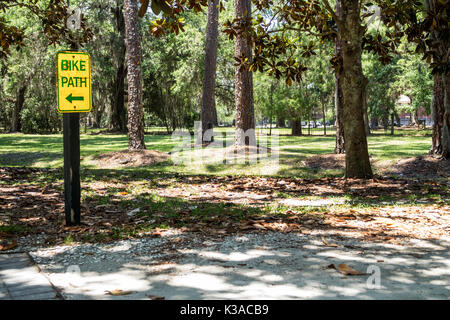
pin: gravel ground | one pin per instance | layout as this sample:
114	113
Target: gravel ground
265	265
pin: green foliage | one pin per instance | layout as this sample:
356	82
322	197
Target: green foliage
381	99
173	67
49	16
414	79
277	99
406	75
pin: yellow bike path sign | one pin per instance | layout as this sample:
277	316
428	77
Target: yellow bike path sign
73	86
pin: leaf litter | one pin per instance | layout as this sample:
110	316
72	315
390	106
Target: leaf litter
378	209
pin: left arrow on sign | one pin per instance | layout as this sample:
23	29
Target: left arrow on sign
70	98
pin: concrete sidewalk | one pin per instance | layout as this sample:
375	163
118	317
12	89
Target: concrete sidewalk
20	279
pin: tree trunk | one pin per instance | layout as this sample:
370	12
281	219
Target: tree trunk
339	110
392	124
216	119
271	106
339	147
117	120
357	164
98	115
281	122
209	113
365	107
416	116
366	120
437	107
441	90
297	127
270	125
446	120
245	114
118	113
134	75
374	122
309	123
397	118
414	120
385	120
16	125
323	118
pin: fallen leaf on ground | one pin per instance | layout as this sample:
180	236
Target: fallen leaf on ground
259	226
386	221
325	242
245	226
118	292
217	231
8	246
157	234
346	270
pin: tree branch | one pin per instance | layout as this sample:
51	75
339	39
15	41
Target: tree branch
332	12
302	30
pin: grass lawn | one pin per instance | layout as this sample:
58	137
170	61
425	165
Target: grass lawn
46	151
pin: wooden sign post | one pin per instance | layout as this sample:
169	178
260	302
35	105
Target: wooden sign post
74	95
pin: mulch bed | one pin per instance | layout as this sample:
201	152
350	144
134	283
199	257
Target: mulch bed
428	167
422	167
326	161
126	158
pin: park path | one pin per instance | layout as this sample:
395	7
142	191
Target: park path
21	279
248	266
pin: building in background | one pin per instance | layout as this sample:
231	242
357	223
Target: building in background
406	118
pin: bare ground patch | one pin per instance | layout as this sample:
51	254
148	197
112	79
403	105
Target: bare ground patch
425	167
233	151
126	158
326	161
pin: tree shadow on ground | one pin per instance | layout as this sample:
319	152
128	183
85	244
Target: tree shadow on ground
28	158
227	204
427	167
20	280
251	266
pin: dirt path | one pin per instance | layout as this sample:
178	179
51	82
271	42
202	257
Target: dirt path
268	265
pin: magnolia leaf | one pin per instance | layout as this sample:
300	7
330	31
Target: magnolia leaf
165	7
155	7
8	246
118	292
143	8
346	270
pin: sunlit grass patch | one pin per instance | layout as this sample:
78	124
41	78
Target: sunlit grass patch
46	151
